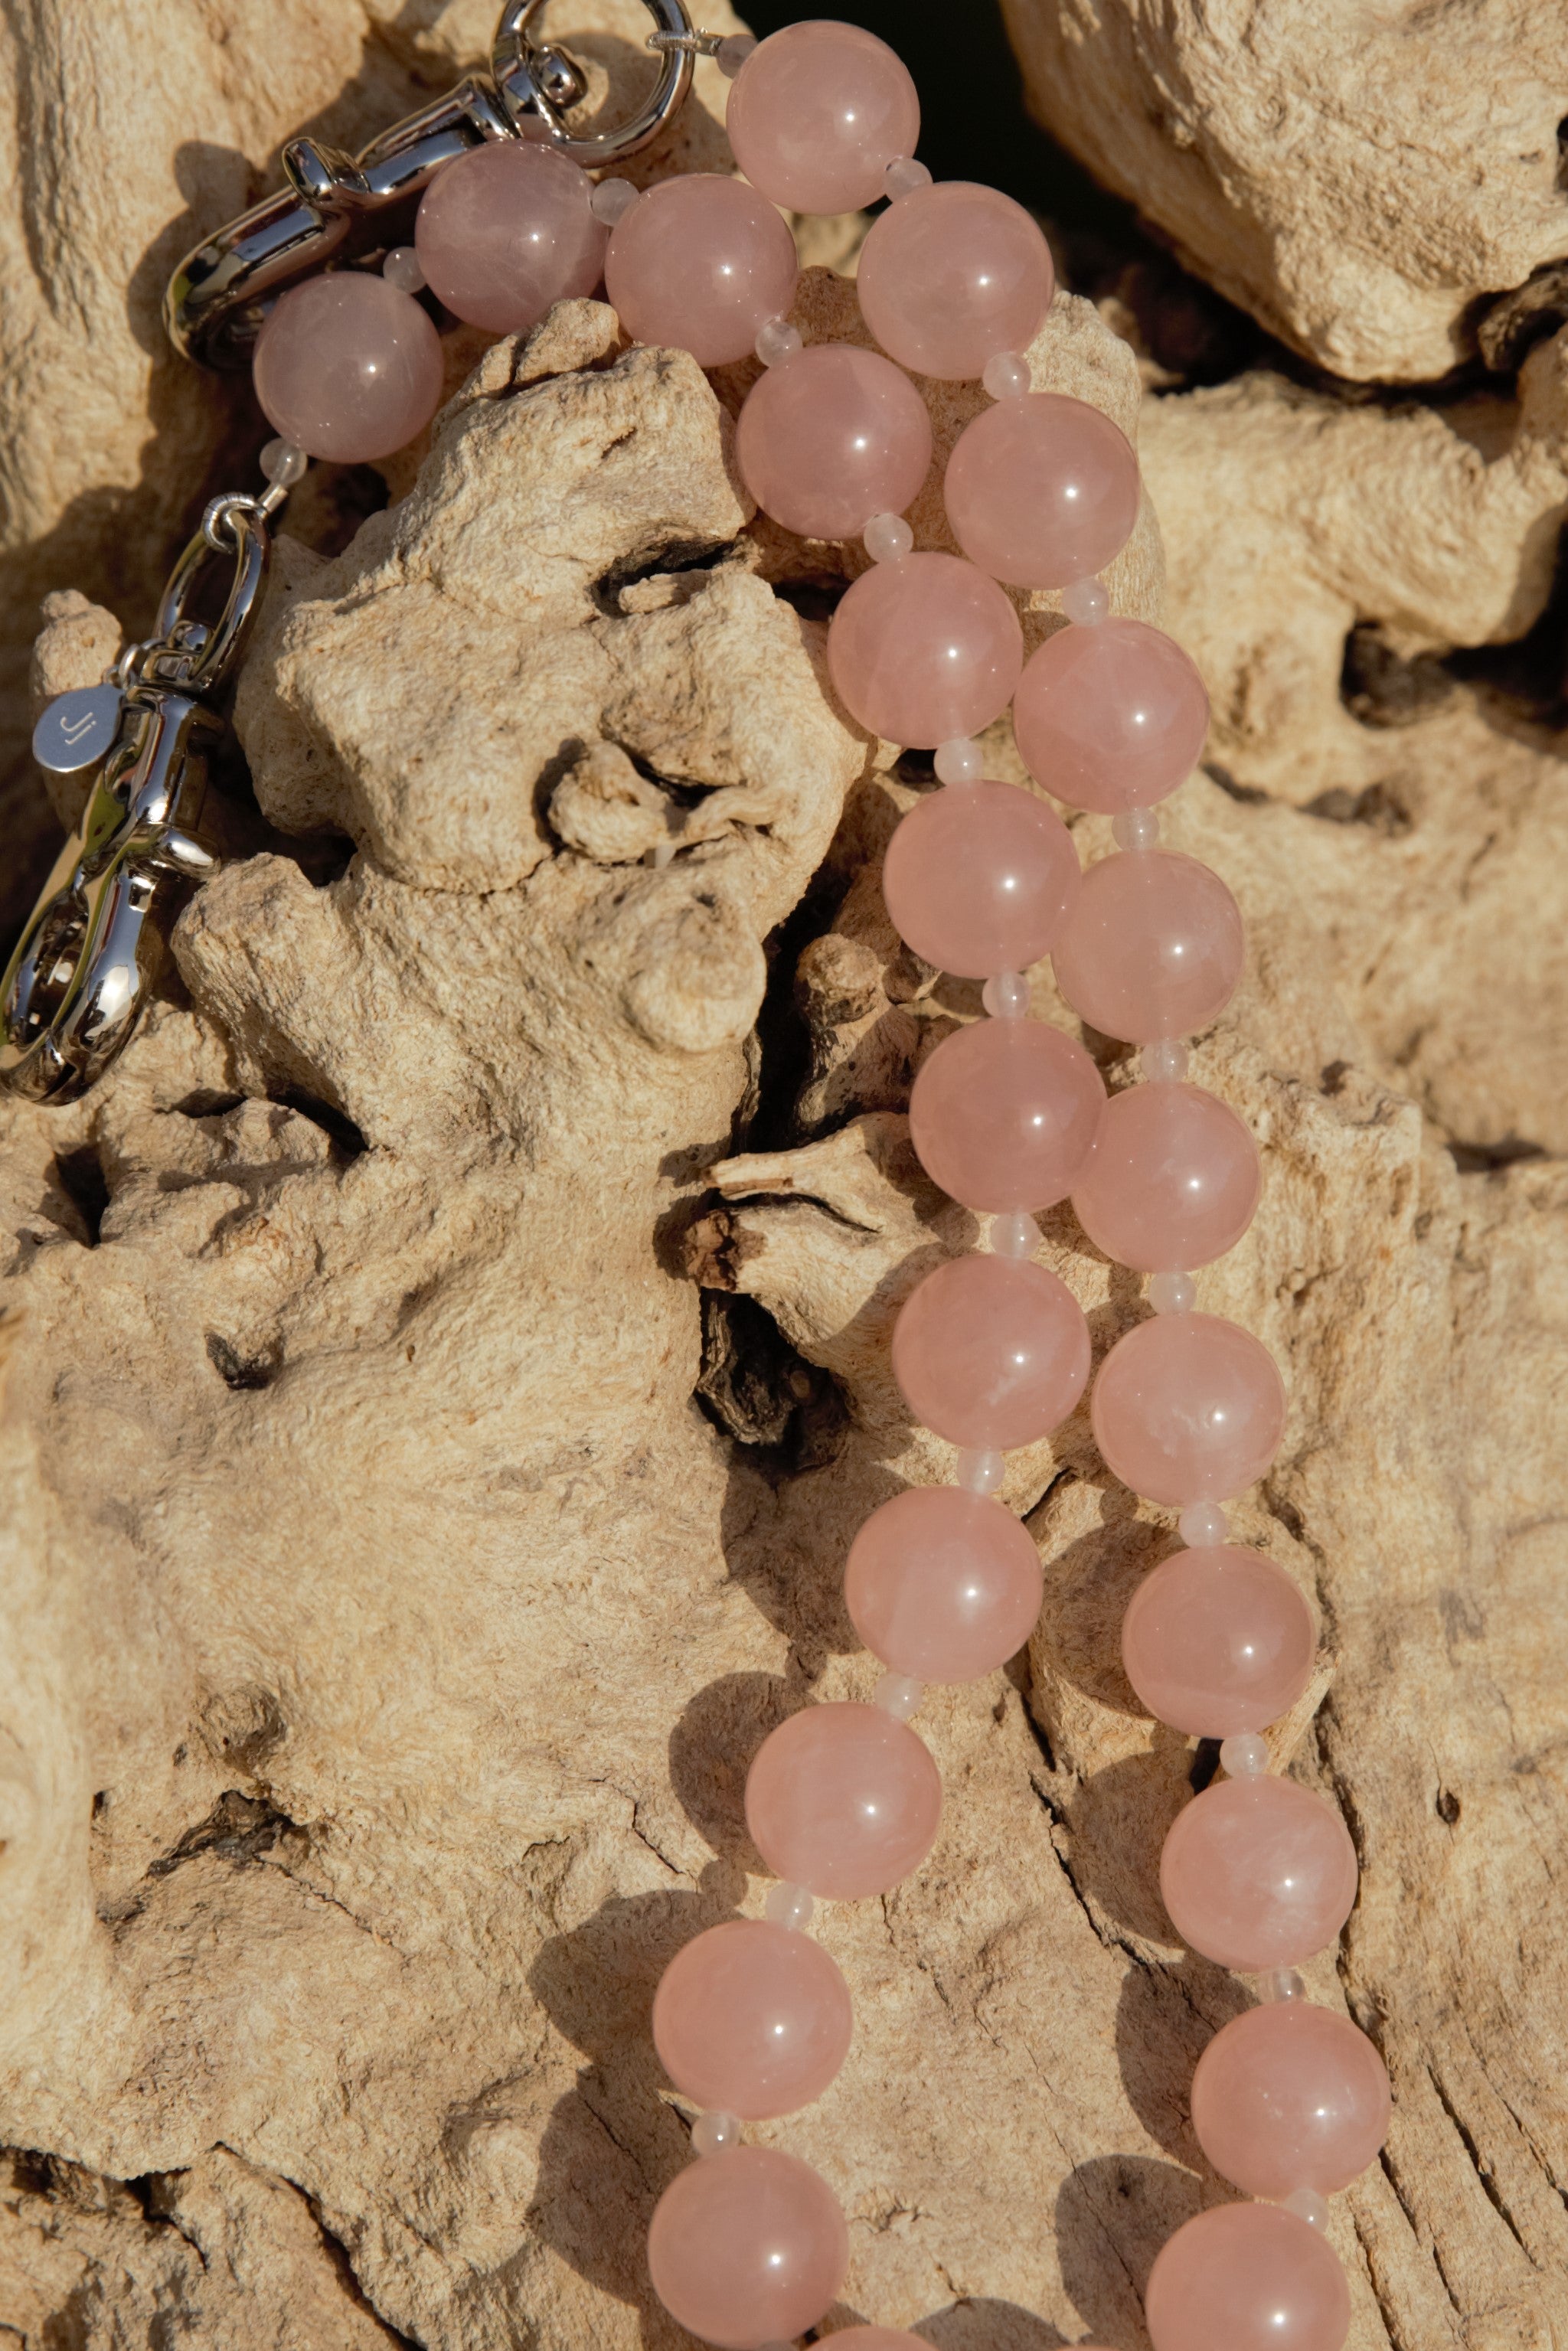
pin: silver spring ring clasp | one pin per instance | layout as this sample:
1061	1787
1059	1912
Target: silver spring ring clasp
88	960
216	304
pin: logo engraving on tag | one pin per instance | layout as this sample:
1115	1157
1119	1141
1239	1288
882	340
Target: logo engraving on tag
77	729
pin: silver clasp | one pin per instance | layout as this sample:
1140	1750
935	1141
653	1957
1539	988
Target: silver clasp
216	304
87	962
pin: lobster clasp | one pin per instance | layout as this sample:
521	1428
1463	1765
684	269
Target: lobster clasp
88	958
335	205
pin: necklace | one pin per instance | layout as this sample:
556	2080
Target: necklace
1010	1116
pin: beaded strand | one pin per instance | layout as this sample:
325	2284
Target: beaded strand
748	2246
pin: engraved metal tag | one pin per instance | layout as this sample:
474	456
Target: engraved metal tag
77	729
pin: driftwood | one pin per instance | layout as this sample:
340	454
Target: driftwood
448	1360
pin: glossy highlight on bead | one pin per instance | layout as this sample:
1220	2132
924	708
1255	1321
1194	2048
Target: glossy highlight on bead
817	112
699	263
348	368
1257	1874
1004	1113
844	1800
1042	490
943	1585
924	648
950	275
1217	1640
747	2248
992	1352
830	438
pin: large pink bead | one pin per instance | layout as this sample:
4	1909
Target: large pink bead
1111	718
1153	947
924	648
1247	2277
817	112
1257	1874
1218	1640
505	231
843	1799
1172	1181
831	437
753	2019
951	274
1188	1408
746	2248
1003	1114
348	368
943	1584
1290	2096
990	1351
699	263
978	878
1041	491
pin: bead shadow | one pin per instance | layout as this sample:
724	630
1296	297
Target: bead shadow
1088	1586
1117	1821
1113	2215
987	2325
711	1749
1165	2018
613	2143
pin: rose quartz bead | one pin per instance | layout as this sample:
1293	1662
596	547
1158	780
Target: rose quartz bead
990	1351
1247	2277
508	229
699	263
348	368
1257	1874
978	878
924	648
748	2247
1218	1641
1290	2096
942	1585
1153	947
752	2017
1112	717
843	1799
831	437
951	274
817	112
1042	490
1188	1408
1003	1114
1172	1181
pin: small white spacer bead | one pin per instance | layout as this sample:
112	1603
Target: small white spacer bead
902	176
1282	1983
888	538
1308	2206
1172	1293
1014	1234
898	1695
610	199
283	463
1244	1756
978	1473
400	268
1139	828
1006	996
1006	375
960	760
790	1905
1164	1063
732	53
714	2132
776	340
1086	602
1202	1524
